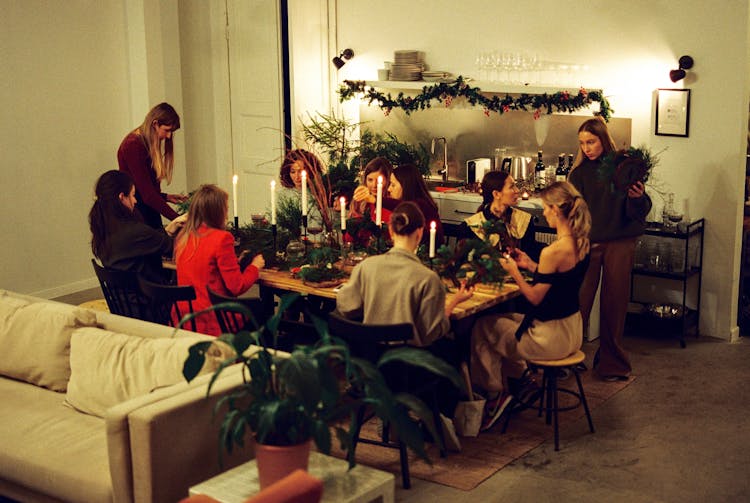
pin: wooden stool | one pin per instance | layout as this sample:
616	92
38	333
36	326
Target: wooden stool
549	390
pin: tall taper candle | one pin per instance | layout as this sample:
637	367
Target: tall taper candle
379	202
342	200
234	194
304	193
433	232
273	202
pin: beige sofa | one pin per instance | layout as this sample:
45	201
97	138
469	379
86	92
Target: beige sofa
155	437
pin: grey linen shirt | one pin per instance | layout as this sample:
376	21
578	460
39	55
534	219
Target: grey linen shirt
396	288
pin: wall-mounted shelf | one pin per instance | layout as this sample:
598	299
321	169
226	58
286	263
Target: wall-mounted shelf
486	87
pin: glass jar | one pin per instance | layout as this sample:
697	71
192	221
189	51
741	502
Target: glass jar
295	251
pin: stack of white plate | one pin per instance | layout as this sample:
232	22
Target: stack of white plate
406	65
437	76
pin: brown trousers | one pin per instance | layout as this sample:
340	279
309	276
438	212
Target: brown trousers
614	260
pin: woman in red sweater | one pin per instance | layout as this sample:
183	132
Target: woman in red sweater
141	156
204	254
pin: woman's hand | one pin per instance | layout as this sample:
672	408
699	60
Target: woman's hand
522	260
175	225
258	261
463	293
176	198
636	190
510	266
362	193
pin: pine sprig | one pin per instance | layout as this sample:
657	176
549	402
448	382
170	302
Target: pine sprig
562	101
623	168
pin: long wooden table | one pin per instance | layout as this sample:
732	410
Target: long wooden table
484	297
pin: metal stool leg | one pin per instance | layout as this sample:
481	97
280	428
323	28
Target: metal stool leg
553	392
583	400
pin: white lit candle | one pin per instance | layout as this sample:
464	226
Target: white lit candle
433	233
273	202
343	213
304	193
234	194
379	203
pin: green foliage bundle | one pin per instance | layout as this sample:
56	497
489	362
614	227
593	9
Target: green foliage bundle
623	168
287	399
320	266
397	152
563	101
473	260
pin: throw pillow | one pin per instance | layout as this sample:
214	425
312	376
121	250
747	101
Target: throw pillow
35	339
108	368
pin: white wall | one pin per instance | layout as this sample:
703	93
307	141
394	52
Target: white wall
630	46
72	80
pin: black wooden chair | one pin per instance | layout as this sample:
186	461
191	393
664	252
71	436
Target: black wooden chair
370	342
122	292
232	320
163	306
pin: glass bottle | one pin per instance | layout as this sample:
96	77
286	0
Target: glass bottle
539	170
560	171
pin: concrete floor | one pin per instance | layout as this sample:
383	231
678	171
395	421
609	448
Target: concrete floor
679	433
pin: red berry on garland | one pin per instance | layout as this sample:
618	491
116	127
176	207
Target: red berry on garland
537	114
506	108
448	101
487	112
583	92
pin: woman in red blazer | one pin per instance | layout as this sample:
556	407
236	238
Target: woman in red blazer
204	254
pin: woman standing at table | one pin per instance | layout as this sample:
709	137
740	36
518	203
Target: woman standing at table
617	219
396	287
365	195
499	197
204	255
553	328
120	238
146	154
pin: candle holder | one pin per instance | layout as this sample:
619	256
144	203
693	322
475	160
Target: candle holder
274	232
304	228
236	222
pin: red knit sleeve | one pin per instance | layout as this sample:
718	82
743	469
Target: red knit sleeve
133	158
236	281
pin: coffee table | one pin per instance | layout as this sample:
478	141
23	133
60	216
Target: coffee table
360	485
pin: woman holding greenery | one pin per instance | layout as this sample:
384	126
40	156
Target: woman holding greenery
362	199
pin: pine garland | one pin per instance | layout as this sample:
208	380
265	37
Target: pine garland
562	101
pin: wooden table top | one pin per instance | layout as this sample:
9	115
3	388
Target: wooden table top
485	296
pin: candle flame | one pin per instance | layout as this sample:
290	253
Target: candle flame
380	179
273	184
343	200
433	225
304	174
234	179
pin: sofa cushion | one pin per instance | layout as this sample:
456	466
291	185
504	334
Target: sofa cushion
108	368
35	340
52	448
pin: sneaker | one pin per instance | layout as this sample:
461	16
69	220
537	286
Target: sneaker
494	409
614	378
529	392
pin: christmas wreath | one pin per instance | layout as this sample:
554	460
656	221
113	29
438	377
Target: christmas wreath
625	167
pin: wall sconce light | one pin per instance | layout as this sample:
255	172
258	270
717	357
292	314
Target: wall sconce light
345	54
685	63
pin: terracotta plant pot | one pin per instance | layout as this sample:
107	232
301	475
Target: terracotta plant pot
275	463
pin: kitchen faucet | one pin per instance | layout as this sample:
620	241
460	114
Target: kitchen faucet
443	171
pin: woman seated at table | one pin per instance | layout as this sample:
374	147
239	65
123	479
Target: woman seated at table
204	254
290	175
397	288
407	184
366	194
120	238
553	328
499	196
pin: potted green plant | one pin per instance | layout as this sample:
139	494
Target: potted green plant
287	400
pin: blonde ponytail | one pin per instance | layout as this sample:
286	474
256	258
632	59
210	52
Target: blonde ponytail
575	210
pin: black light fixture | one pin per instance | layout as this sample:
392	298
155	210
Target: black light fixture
685	63
338	62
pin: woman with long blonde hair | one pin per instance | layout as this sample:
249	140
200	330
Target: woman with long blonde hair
617	219
205	257
553	326
147	155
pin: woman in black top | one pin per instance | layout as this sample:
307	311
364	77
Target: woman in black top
120	238
553	328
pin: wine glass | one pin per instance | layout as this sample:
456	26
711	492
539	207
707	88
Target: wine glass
314	231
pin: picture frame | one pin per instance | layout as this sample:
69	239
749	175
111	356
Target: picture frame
672	112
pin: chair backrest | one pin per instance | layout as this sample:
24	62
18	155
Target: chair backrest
163	306
369	341
231	320
121	291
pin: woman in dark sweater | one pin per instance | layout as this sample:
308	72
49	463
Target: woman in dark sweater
120	238
617	219
140	155
407	184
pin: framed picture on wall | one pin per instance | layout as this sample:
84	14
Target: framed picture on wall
672	112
